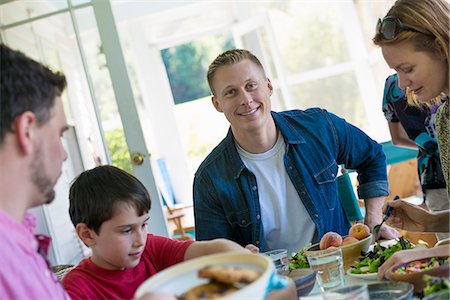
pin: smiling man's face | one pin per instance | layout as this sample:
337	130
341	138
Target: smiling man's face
242	93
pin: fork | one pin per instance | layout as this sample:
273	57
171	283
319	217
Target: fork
376	228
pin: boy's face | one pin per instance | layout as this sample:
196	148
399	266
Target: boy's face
121	240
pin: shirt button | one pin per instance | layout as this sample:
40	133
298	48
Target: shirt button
33	244
290	167
254	188
47	273
257	242
316	215
333	175
258	217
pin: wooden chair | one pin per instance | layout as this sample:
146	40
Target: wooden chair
179	215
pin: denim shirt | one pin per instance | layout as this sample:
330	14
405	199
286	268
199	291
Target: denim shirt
226	202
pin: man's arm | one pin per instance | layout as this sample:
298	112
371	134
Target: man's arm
374	215
199	249
356	150
210	219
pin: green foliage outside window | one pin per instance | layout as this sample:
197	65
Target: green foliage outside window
120	157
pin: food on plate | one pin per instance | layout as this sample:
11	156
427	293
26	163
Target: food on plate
435	284
370	262
298	260
359	231
223	281
212	290
348	240
230	275
422	265
330	239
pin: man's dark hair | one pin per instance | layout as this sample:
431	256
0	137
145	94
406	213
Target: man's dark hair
95	194
25	85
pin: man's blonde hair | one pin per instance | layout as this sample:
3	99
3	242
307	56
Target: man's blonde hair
431	19
230	57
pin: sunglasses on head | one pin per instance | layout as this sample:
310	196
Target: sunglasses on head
391	26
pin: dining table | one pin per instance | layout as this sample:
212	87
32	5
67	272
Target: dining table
316	293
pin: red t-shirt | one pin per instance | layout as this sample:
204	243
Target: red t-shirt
87	281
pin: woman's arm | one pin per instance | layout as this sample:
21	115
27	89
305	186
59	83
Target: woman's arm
399	136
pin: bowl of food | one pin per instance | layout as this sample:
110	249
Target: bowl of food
229	275
414	271
366	266
304	280
350	251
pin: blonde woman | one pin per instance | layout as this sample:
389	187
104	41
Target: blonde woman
414	40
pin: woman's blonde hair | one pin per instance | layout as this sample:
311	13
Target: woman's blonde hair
430	18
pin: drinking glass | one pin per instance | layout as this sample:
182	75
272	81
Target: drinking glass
279	258
328	266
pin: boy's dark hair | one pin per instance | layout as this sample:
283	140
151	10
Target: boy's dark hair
25	85
96	193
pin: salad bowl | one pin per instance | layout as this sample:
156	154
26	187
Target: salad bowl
414	271
350	253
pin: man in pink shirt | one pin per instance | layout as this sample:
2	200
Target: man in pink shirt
32	122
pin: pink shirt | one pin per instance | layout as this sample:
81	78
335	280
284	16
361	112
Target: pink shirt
24	274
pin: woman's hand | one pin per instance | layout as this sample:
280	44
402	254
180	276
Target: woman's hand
408	216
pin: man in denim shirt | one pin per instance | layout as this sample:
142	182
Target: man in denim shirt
272	181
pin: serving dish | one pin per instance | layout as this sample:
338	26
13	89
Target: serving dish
370	276
183	276
390	290
416	278
350	253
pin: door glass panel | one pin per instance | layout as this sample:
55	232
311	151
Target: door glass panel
52	42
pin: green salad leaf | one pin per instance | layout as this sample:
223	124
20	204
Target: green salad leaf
435	284
298	260
370	262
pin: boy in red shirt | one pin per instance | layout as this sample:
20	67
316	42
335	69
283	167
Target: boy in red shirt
110	209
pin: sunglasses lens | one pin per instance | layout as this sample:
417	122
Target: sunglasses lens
388	28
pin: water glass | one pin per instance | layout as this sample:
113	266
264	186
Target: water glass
329	267
353	292
279	258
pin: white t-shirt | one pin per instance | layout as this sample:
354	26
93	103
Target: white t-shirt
286	222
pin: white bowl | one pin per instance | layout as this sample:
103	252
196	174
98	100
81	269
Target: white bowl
183	276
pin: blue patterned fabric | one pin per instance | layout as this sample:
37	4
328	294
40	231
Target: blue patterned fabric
419	124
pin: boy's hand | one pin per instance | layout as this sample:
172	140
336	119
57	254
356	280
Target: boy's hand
252	248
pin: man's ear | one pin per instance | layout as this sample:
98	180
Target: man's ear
25	126
85	234
270	86
216	104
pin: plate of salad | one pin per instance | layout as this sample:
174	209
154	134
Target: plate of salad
366	267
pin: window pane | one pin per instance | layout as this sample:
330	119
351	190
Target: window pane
187	64
338	94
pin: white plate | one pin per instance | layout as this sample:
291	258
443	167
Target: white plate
370	276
